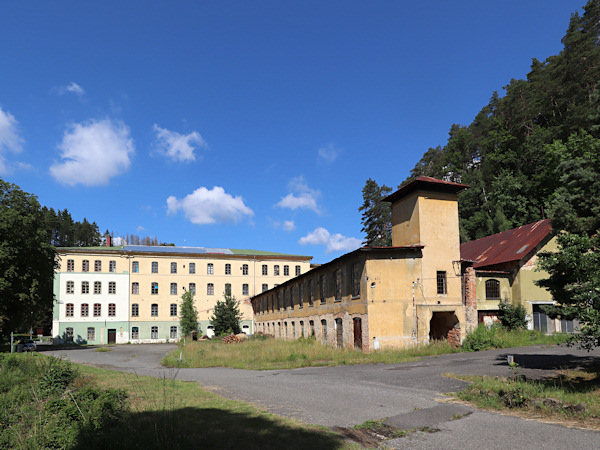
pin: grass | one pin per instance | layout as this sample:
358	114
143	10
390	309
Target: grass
272	354
573	396
266	354
178	414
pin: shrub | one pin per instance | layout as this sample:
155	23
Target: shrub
482	338
512	317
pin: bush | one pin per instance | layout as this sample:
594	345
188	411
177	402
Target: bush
482	339
512	317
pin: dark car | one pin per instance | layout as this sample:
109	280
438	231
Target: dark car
29	346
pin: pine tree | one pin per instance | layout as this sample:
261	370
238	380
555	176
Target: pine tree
226	316
189	315
376	215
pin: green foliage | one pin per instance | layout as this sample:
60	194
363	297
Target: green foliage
482	338
27	262
497	336
42	405
376	215
512	317
189	315
63	231
226	316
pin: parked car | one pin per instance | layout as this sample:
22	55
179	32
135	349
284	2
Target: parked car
29	346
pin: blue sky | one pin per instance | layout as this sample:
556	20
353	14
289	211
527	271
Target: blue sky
247	124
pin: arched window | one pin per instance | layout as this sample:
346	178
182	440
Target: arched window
492	290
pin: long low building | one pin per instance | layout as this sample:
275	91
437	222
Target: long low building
417	290
133	293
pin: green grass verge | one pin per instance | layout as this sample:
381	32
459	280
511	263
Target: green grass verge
272	354
265	354
572	395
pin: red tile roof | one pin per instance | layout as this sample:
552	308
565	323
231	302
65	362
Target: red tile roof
425	183
508	246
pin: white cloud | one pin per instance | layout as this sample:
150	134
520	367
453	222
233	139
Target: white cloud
300	197
333	242
289	225
10	141
328	154
205	206
178	147
72	88
93	153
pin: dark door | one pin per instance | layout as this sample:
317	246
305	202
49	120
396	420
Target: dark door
112	336
340	333
357	332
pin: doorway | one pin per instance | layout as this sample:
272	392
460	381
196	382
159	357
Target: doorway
112	336
339	328
441	323
357	322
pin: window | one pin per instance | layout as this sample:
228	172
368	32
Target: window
244	269
135	267
154	266
97	287
85	310
112	266
311	326
227	289
297	270
355	280
192	268
135	333
278	296
492	290
322	282
265	270
70	309
245	289
154	310
192	287
91	334
338	285
173	333
311	293
70	287
173	309
265	287
97	266
154	288
85	265
154	333
112	287
69	334
227	269
173	267
135	310
210	289
70	265
276	270
324	330
135	288
301	295
97	309
210	269
173	288
112	310
441	282
85	287
286	271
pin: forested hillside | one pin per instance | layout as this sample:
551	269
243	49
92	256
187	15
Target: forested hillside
519	146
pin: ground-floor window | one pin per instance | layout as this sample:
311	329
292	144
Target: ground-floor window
173	333
135	333
91	334
154	333
69	334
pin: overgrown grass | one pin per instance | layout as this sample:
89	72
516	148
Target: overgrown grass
264	354
50	403
268	353
573	395
496	336
167	413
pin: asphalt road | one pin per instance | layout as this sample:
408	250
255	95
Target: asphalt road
406	394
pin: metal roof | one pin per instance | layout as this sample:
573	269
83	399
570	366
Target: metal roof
427	184
508	246
172	249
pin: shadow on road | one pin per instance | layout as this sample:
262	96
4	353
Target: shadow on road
204	428
550	362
